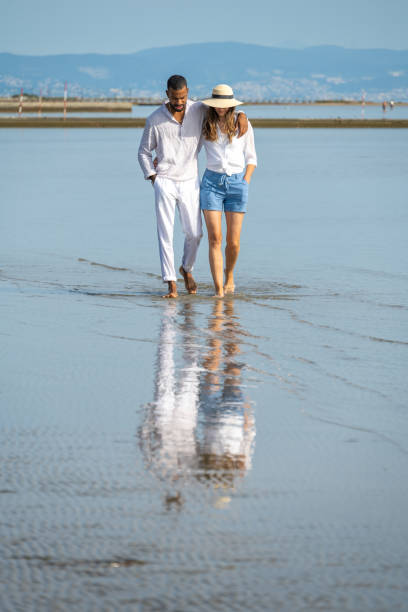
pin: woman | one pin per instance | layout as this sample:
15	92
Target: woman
230	164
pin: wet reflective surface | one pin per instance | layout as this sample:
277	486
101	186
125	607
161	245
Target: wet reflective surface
246	453
201	423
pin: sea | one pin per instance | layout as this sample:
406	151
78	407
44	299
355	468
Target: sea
249	453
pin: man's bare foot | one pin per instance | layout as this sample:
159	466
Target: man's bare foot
172	293
189	281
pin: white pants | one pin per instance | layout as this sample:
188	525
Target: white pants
186	195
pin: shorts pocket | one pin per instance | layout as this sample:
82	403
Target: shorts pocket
209	186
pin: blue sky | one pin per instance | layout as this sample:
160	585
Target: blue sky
39	27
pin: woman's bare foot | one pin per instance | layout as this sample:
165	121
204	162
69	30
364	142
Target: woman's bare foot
172	292
189	281
219	294
229	286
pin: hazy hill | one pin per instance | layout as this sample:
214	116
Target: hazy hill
256	72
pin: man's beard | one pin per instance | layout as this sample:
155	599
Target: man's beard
175	109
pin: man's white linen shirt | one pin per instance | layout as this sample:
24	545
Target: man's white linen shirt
176	144
230	157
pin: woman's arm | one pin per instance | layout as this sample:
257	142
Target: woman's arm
248	172
250	154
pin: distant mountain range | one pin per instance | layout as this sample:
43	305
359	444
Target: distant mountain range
255	72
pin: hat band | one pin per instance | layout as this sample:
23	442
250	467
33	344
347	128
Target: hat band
223	97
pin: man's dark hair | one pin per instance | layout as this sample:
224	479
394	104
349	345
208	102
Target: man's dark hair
176	82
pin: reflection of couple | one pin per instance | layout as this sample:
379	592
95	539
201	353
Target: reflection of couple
176	131
200	424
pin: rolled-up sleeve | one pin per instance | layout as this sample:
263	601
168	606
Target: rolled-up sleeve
147	145
249	150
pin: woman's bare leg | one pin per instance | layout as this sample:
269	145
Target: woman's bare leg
234	225
214	230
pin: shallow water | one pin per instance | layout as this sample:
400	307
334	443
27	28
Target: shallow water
249	453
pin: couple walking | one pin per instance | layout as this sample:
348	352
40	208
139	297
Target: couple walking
176	131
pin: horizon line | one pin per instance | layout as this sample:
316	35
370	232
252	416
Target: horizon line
195	44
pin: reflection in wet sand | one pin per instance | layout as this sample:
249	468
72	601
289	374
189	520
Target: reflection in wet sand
200	426
168	433
228	423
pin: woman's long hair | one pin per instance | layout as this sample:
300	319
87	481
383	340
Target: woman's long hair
211	120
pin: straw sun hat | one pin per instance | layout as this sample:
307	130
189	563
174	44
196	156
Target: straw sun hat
222	97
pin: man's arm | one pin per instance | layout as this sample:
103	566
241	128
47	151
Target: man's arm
242	123
147	145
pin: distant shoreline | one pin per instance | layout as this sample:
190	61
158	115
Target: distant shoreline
91	106
8	105
322	103
139	122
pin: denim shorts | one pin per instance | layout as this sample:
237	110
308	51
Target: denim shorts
220	191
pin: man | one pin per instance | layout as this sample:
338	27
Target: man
173	131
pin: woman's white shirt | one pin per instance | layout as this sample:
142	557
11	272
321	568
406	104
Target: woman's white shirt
230	157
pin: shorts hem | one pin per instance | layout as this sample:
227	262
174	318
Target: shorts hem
215	208
230	208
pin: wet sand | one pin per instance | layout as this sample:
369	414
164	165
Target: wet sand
246	453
